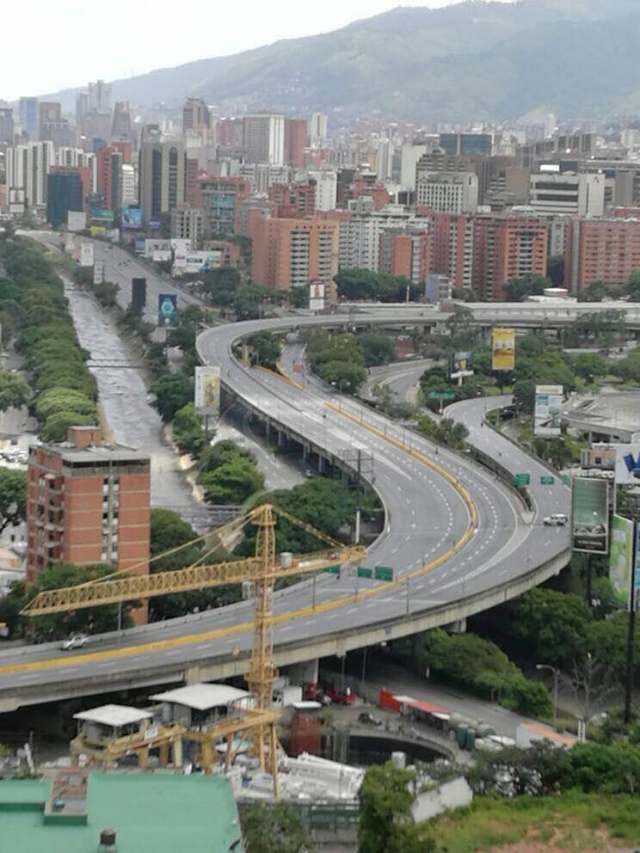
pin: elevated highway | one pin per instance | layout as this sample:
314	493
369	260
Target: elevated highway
459	540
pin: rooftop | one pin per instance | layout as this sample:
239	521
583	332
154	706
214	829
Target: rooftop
113	715
158	812
202	697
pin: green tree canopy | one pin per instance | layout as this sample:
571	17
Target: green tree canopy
273	828
172	391
13	497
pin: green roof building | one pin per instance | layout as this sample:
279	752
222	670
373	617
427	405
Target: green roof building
155	812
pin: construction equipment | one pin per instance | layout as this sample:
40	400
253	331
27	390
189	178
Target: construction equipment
262	570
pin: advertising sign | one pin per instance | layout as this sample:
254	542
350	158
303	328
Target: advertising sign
138	293
97	230
600	456
86	255
546	419
636	557
461	365
590	515
628	464
621	559
316	296
194	262
208	390
98	272
103	217
131	218
167	309
153	246
76	220
503	349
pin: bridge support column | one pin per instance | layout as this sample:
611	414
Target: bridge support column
280	438
458	627
321	464
305	452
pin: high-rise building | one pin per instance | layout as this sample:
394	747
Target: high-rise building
452	248
88	503
326	188
52	126
65	192
28	111
122	126
290	253
405	251
295	141
409	158
221	200
99	97
606	250
506	248
26	173
264	138
109	178
554	194
161	175
317	129
128	186
195	115
187	223
448	192
7	128
294	199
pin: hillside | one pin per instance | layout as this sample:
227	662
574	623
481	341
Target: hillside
473	60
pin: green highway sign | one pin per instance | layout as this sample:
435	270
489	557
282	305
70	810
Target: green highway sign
364	572
441	395
547	480
383	573
333	570
522	480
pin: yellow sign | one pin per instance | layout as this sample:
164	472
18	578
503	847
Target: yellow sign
503	349
97	230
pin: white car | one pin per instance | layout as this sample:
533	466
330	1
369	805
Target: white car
558	519
75	641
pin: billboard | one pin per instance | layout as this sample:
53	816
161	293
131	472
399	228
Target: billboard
167	309
86	255
208	390
76	220
503	349
548	408
192	262
131	218
590	515
600	456
153	246
98	272
461	365
621	559
103	217
138	293
628	464
316	296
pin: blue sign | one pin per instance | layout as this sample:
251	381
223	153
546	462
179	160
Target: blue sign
167	309
636	568
632	464
154	225
131	218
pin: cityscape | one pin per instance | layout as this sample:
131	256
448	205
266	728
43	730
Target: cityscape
320	435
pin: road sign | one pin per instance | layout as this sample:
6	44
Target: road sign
333	570
365	572
522	480
383	573
441	395
167	309
547	480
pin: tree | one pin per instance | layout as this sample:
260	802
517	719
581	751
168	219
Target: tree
555	270
248	301
518	289
273	828
14	390
386	797
589	366
551	626
298	297
344	376
57	425
597	291
188	430
13	497
376	349
233	482
221	452
266	349
221	285
172	391
632	287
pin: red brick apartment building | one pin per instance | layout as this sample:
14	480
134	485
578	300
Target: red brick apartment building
605	250
87	503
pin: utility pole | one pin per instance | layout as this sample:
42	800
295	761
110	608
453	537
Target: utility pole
359	497
631	629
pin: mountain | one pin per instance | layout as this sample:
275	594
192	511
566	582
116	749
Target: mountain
473	60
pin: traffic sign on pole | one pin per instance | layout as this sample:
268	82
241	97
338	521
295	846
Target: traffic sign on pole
523	479
547	480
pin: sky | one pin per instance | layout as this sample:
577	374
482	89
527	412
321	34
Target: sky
69	42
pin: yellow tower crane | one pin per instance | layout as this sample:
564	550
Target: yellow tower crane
262	570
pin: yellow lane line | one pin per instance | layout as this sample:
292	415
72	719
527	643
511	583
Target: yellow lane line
289	616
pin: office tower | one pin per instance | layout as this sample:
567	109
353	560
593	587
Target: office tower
7	128
82	107
553	194
506	248
290	253
448	192
52	126
88	503
26	173
65	192
405	251
128	188
161	175
466	143
409	157
221	200
195	115
264	138
326	188
99	97
606	250
28	111
109	177
122	130
295	141
317	129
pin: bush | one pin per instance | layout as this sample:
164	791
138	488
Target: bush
188	430
56	426
233	482
59	399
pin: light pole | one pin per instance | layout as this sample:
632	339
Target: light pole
556	678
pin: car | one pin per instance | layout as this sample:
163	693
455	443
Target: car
558	519
75	641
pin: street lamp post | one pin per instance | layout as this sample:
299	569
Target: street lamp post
556	678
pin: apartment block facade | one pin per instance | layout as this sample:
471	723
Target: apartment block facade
605	250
